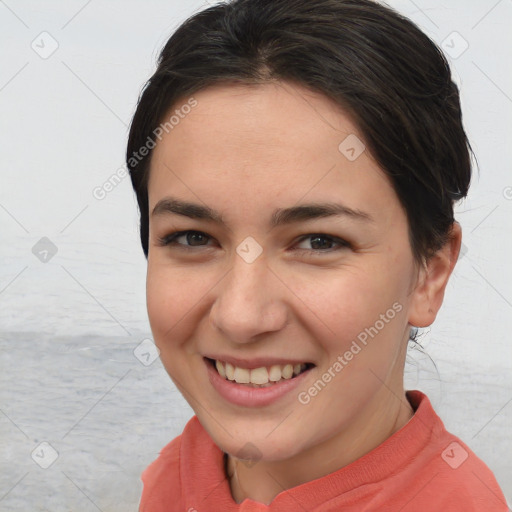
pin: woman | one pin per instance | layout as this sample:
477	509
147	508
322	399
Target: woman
271	126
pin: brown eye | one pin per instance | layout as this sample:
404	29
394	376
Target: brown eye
193	238
322	243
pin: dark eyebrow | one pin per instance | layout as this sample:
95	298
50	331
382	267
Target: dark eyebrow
281	216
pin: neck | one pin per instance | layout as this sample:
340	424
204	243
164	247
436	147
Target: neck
263	481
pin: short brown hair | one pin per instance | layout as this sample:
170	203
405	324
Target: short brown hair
376	64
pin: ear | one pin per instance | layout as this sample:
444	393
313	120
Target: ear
428	294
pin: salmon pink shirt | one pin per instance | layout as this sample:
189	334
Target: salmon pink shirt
420	468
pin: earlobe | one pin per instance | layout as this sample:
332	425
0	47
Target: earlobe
428	295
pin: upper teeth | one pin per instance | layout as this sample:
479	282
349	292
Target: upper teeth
260	375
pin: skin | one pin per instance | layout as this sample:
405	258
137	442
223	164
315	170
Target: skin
245	151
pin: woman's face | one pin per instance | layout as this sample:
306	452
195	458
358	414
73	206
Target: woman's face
332	290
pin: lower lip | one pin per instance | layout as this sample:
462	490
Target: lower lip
240	394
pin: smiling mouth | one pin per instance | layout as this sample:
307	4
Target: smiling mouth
259	377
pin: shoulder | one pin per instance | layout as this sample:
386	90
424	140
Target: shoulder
161	479
448	475
471	478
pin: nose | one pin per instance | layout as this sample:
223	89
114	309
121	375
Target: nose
249	302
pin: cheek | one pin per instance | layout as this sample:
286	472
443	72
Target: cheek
359	312
173	298
347	299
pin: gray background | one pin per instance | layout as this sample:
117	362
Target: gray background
71	320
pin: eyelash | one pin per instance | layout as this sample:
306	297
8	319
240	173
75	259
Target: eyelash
169	240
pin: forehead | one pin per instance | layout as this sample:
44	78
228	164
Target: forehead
272	116
255	144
